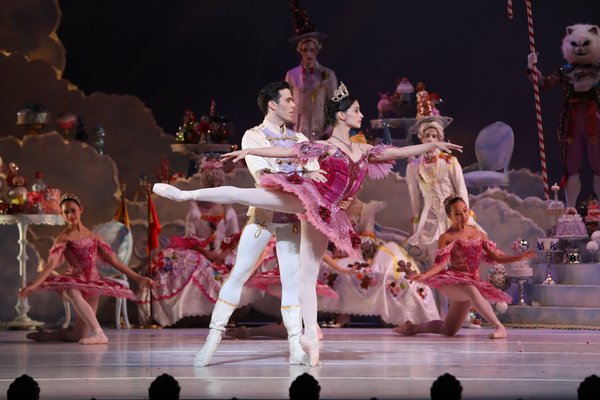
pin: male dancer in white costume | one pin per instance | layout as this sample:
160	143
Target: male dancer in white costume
276	103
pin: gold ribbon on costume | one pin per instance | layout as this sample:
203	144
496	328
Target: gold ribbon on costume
395	261
261	227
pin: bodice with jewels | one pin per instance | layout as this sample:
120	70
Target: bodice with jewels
464	255
344	175
81	255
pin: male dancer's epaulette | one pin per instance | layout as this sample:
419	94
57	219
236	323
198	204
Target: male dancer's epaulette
257	128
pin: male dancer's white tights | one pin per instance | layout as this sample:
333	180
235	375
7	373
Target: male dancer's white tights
312	244
254	238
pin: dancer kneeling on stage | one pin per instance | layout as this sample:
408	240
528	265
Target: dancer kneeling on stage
82	285
460	249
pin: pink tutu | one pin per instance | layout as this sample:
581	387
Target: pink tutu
467	254
101	286
82	273
270	282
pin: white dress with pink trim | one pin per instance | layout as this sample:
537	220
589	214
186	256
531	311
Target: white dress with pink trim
81	256
463	257
190	282
321	199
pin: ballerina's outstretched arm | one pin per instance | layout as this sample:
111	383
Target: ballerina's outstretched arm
270	152
393	153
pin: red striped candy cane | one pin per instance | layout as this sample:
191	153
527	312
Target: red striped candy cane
536	94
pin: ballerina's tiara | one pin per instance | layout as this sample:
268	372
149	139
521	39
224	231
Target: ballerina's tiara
450	199
69	196
340	93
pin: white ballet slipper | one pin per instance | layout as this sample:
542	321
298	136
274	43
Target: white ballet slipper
220	316
293	323
204	356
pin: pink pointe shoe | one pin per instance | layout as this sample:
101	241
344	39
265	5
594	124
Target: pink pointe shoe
310	343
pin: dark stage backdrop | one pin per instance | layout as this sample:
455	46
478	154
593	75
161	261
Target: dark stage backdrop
182	53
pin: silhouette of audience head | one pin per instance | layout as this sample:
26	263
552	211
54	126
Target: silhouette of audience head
589	388
23	388
305	387
164	387
446	387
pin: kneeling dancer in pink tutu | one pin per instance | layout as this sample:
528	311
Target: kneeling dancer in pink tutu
456	275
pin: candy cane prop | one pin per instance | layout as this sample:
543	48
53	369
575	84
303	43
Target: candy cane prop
536	94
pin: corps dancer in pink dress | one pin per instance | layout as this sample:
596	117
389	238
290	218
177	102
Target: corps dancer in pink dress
82	284
456	274
344	165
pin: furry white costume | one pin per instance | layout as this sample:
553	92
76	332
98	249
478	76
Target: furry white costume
579	126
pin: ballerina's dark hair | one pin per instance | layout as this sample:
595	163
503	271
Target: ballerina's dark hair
449	201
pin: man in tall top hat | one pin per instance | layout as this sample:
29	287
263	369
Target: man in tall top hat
311	83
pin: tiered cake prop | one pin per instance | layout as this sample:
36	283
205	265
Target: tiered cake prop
212	127
16	199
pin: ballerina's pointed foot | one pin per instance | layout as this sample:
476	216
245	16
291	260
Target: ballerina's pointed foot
169	192
96	338
408	328
500	333
311	347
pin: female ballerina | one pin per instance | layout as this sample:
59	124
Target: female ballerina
460	249
82	285
344	165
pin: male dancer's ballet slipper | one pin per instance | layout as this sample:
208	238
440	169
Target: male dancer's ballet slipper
169	192
96	338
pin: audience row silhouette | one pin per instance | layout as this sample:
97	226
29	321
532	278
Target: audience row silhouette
304	387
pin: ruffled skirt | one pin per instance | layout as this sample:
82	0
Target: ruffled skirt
270	283
451	277
335	225
102	286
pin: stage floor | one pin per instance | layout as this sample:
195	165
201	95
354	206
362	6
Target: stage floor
357	364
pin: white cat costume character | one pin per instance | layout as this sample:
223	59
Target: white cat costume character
579	125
